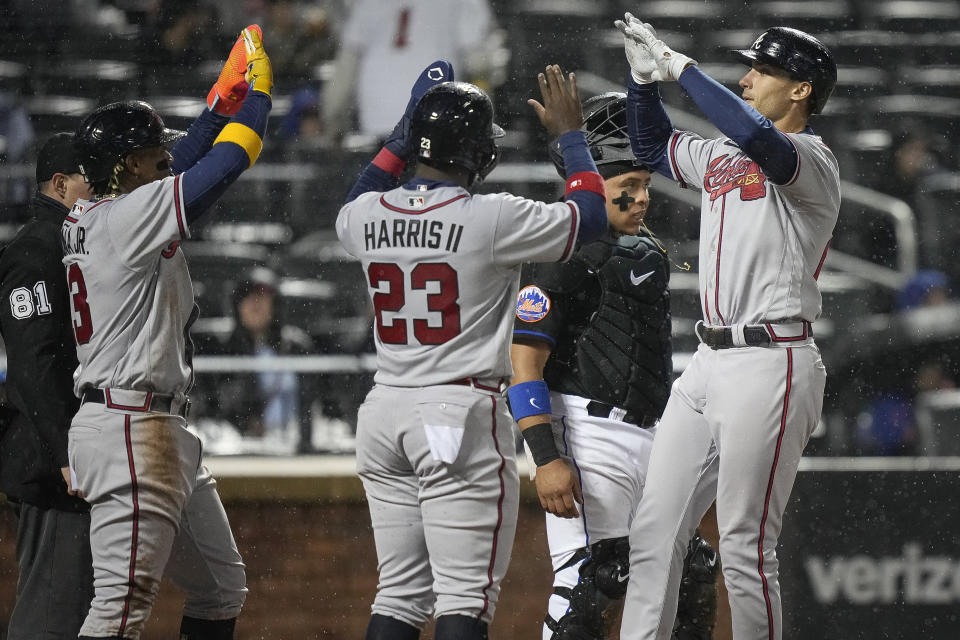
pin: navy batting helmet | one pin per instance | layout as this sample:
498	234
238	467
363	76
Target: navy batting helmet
605	126
108	134
799	54
452	126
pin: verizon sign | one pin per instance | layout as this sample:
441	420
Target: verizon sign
870	550
910	578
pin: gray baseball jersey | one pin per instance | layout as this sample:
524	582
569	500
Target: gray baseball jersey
131	290
443	269
435	443
738	419
761	244
134	459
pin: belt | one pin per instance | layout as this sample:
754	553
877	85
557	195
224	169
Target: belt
604	410
485	384
753	335
138	401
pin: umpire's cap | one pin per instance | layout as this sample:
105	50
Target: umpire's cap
108	134
59	154
801	55
605	126
452	126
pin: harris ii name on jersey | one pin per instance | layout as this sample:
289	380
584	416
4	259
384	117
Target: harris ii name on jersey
413	232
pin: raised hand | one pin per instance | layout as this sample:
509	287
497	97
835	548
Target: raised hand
670	64
560	110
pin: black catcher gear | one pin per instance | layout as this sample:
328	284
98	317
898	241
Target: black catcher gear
799	54
605	126
603	582
108	134
452	126
697	607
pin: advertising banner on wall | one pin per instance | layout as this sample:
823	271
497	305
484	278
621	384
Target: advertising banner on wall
871	549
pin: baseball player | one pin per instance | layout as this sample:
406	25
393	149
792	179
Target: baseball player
53	526
435	443
154	506
740	415
591	341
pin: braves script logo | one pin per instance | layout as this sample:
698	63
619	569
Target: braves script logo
726	174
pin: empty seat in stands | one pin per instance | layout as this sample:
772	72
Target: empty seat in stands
934	80
912	16
861	82
102	80
813	16
687	16
52	113
871	48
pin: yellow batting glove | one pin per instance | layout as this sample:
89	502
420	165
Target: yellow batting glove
226	96
259	73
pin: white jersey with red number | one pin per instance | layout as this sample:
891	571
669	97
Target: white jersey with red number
396	40
130	290
762	245
443	269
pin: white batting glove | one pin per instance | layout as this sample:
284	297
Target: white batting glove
643	67
669	63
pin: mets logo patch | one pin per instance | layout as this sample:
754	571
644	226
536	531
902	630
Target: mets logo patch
533	304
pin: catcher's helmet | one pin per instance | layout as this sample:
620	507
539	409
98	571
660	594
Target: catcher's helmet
799	54
605	126
114	130
452	126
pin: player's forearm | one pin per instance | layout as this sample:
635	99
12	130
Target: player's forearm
584	185
373	178
743	124
649	126
200	136
235	150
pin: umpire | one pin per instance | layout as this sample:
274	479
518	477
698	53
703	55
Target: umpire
55	586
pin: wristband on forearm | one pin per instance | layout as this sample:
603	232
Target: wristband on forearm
539	439
529	398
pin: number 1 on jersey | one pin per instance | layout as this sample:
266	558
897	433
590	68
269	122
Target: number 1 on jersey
443	301
82	323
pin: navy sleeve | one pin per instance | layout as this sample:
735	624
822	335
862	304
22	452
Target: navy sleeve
743	124
200	136
209	178
373	178
592	203
649	126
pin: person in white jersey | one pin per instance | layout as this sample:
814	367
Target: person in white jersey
383	46
154	507
740	415
435	442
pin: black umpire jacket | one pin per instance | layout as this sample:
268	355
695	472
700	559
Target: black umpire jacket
37	328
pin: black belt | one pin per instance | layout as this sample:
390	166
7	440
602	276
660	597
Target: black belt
603	410
754	336
159	402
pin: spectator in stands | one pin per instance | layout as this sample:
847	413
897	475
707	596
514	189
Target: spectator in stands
888	426
384	46
925	289
266	404
304	39
274	405
178	33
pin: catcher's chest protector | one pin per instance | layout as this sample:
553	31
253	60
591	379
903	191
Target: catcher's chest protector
620	324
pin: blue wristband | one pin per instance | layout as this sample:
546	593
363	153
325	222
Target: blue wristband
529	398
